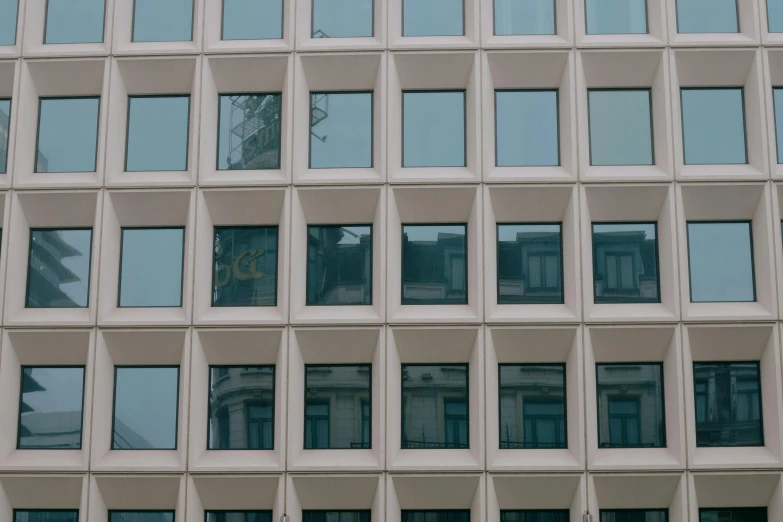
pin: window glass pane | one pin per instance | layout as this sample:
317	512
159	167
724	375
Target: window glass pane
245	266
156	21
530	264
67	135
34	515
433	133
5	131
775	16
432	18
778	106
524	17
732	394
157	133
426	389
238	516
74	21
141	516
620	127
58	273
252	19
625	263
721	262
713	126
339	265
334	395
446	515
634	515
8	19
340	130
241	407
616	16
50	409
335	516
145	407
526	129
342	18
434	264
560	515
758	514
249	132
707	16
151	267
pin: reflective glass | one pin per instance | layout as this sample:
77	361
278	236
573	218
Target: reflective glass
707	16
245	266
728	404
721	262
560	515
616	16
156	21
530	264
151	267
238	516
524	17
433	133
339	265
50	408
441	515
625	263
338	406
532	407
620	127
252	19
340	130
756	514
526	129
241	408
5	131
8	19
434	264
145	407
58	271
336	516
713	126
634	515
141	516
37	515
342	18
778	106
158	129
433	18
74	21
249	132
775	16
435	406
67	134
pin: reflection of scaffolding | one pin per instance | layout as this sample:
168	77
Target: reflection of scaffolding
253	142
319	111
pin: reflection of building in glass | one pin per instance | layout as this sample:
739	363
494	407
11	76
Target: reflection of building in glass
126	438
254	136
4	133
434	272
245	266
435	406
339	265
51	430
141	516
335	516
638	515
48	273
530	267
535	516
337	407
625	265
238	516
241	407
35	515
432	515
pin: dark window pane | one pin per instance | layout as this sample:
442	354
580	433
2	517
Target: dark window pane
530	264
339	265
151	267
707	16
778	107
445	515
775	16
141	516
757	514
334	395
713	126
435	406
526	129
74	21
241	407
728	404
524	17
340	130
616	16
156	21
157	133
336	516
620	127
34	515
145	407
560	515
58	273
238	516
245	266
249	132
5	130
433	133
634	515
721	262
625	263
434	264
432	18
67	135
252	19
342	18
50	408
8	19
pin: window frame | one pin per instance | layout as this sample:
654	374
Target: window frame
133	29
182	270
372	27
464	93
556	90
219	112
131	97
4	165
310	136
38	127
103	29
223	27
741	88
652	122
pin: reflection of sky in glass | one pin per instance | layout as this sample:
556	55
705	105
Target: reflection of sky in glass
157	133
526	128
342	18
713	126
67	134
51	415
616	16
162	21
721	262
5	114
432	18
252	19
151	267
778	95
74	21
433	132
431	232
8	18
648	229
707	16
341	130
775	16
59	268
249	132
145	407
620	127
524	17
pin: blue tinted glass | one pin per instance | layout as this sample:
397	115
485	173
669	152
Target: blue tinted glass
241	408
342	18
620	127
336	516
775	16
249	132
141	516
530	264
67	135
434	264
252	19
339	265
74	21
8	17
58	273
238	516
450	515
157	133
713	126
151	267
707	16
245	266
616	16
5	131
561	515
524	17
526	133
337	406
634	515
435	406
145	407
156	21
432	18
721	262
34	515
778	103
50	414
433	133
625	263
340	130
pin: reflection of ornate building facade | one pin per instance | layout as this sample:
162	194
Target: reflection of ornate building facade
530	268
338	407
338	272
626	265
241	406
245	266
48	273
532	406
434	270
435	406
630	405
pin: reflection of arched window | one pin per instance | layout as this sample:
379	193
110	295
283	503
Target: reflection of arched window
456	421
259	424
624	421
544	422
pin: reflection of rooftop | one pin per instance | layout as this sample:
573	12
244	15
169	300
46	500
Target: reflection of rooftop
49	273
52	429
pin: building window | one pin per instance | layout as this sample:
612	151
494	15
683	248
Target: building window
335	516
721	262
141	516
433	128
238	516
524	17
746	514
146	407
74	21
5	126
526	128
8	19
625	263
50	407
616	16
252	20
249	132
532	407
67	134
341	130
158	128
156	21
339	265
151	267
434	264
440	515
342	19
435	409
245	266
58	270
728	404
341	389
635	515
775	16
713	125
433	18
530	264
620	126
241	407
35	515
777	94
535	515
707	16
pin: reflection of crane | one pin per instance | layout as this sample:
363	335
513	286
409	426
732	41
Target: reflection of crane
319	111
255	131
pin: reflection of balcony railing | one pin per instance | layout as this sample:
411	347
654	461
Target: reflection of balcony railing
360	445
417	444
507	444
638	446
